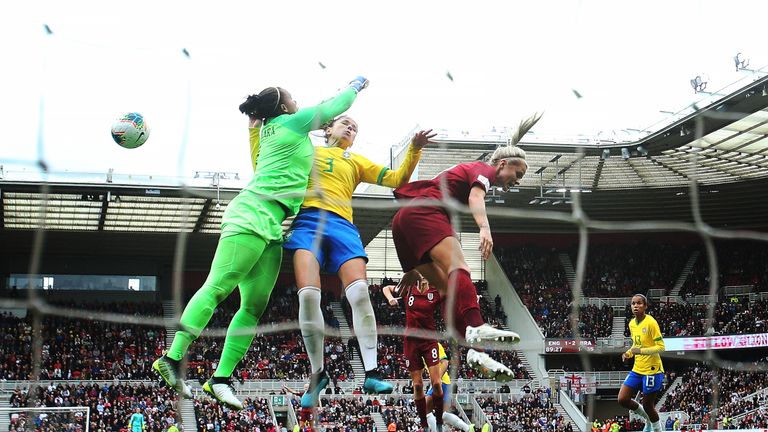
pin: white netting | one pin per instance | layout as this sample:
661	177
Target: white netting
42	360
66	419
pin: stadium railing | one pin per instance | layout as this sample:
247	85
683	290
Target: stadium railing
13	385
611	342
613	302
737	419
607	379
732	290
573	411
476	385
761	394
478	415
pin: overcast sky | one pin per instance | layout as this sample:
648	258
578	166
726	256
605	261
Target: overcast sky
629	61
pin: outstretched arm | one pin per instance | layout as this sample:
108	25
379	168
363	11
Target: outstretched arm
312	118
381	175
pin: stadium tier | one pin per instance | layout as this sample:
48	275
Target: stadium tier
95	272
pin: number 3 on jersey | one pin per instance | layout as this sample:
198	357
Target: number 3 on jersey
330	165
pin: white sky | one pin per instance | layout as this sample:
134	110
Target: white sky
629	60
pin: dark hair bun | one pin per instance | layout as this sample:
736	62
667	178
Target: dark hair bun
250	106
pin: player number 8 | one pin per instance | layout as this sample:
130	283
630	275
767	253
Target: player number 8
410	301
434	353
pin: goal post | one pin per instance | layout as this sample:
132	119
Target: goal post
65	419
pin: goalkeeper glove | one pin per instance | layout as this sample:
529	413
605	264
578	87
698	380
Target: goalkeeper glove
359	83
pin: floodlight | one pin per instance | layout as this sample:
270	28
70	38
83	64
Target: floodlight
740	61
625	153
699	83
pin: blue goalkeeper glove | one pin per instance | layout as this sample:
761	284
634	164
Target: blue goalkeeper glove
359	83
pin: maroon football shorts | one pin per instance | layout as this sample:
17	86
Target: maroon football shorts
416	230
414	350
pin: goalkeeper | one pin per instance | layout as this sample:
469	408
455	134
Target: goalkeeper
136	423
249	252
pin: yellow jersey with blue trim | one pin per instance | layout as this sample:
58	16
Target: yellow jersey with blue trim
337	172
446	378
253	135
646	335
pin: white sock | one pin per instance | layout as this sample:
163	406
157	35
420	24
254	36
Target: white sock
452	419
312	325
656	425
364	321
432	422
641	412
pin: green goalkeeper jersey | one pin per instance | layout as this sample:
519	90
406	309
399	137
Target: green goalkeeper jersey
285	153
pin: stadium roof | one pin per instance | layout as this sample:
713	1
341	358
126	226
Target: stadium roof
121	209
732	146
649	182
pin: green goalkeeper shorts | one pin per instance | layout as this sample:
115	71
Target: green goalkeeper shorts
249	213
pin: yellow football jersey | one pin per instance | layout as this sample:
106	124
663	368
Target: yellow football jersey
646	334
446	378
254	135
337	172
443	356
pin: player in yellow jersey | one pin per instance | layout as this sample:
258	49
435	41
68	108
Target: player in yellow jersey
449	418
648	372
323	237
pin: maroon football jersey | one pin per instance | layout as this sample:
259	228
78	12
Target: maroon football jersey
420	309
458	180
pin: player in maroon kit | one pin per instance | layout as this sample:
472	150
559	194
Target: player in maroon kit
421	301
425	241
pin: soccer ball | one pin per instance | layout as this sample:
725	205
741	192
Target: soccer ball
130	130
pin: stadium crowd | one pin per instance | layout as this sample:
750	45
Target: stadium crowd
537	275
695	394
391	360
530	412
343	415
732	316
110	406
254	417
401	415
83	349
621	270
75	349
739	263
